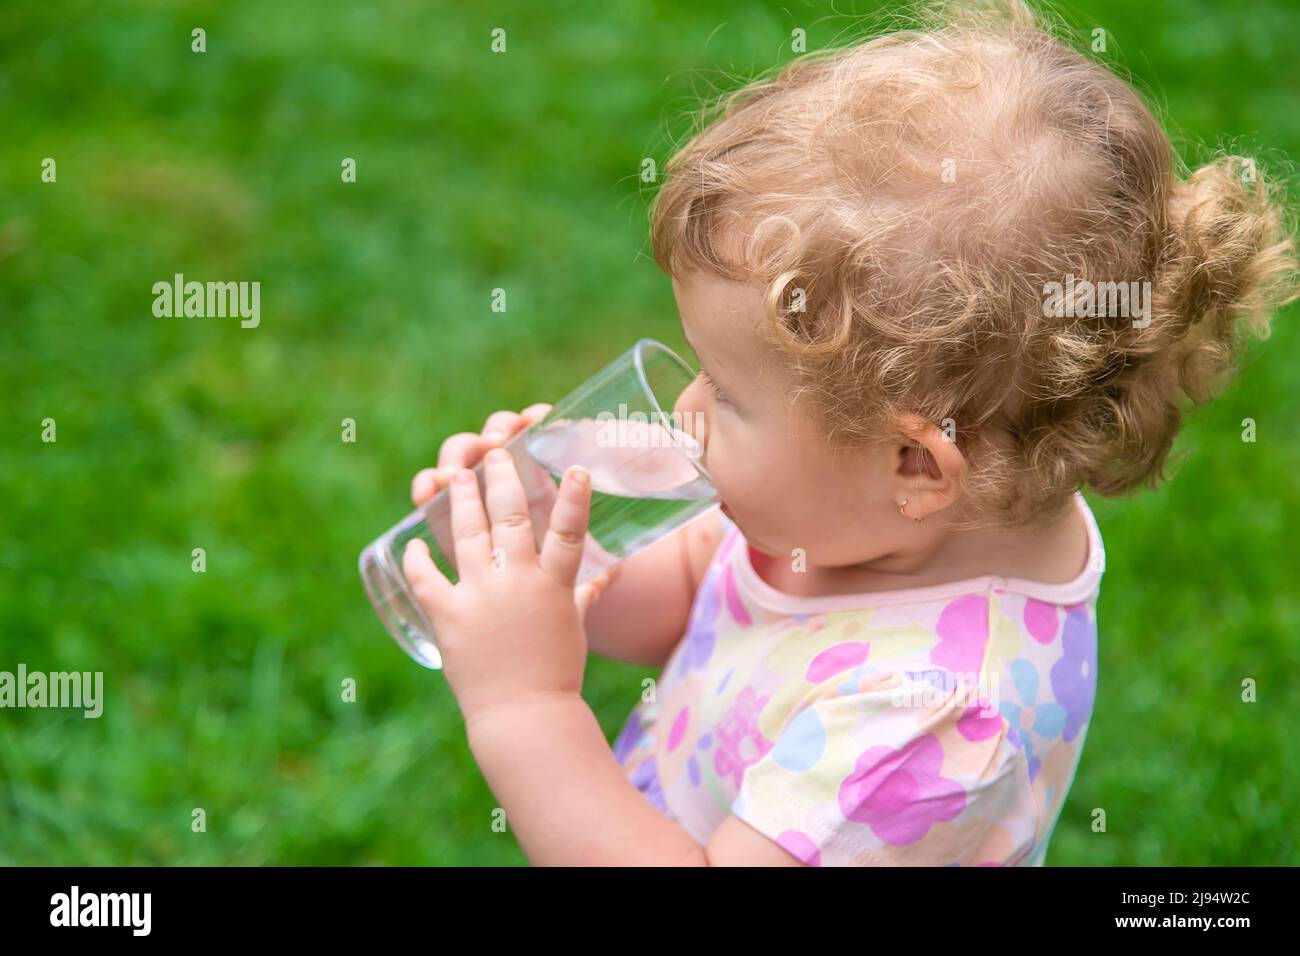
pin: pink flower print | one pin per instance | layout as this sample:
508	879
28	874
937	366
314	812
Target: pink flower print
835	660
734	602
740	744
1040	621
979	722
963	629
679	728
900	793
801	846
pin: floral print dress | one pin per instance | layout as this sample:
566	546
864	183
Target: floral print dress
936	726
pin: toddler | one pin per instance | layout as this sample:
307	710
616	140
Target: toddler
937	283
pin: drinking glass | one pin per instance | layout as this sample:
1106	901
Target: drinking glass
647	481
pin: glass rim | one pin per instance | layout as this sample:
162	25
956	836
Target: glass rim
638	355
638	360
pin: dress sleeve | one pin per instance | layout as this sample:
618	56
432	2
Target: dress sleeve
899	768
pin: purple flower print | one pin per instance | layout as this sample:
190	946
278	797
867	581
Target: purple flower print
740	743
702	631
628	737
693	765
1074	676
646	779
900	793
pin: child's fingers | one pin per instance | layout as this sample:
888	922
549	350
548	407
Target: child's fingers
535	413
589	592
507	508
469	525
567	535
498	427
430	585
465	449
427	483
461	450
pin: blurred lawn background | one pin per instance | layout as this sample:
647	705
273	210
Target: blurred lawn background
477	171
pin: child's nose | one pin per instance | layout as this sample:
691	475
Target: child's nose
689	413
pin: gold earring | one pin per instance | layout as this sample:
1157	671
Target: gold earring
904	513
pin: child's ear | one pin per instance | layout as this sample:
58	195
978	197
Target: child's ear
928	468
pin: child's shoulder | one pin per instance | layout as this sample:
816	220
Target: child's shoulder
732	564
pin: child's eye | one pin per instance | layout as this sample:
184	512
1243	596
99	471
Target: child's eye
713	385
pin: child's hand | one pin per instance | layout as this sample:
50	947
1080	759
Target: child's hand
465	449
510	630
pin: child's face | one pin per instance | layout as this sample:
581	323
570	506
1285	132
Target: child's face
774	468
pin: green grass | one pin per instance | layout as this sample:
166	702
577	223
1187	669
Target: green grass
476	171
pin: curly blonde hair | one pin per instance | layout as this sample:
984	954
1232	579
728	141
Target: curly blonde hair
909	200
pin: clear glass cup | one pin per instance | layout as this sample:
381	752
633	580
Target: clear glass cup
647	481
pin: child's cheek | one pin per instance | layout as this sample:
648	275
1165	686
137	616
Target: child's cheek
741	485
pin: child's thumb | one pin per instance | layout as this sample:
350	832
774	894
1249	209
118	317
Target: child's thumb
588	592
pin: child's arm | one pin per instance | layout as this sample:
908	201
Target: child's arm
536	740
644	609
569	803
